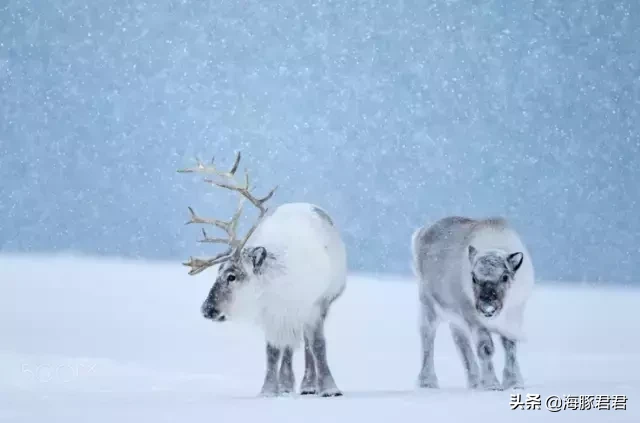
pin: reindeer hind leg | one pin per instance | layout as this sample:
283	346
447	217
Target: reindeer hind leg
429	322
309	385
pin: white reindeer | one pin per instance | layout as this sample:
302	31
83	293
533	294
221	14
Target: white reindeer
478	275
283	275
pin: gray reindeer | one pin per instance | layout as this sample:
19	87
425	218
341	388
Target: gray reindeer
283	275
477	275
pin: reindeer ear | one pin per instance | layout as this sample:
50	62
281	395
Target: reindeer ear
515	260
472	253
258	256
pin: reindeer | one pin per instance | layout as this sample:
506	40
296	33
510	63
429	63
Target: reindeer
478	275
283	275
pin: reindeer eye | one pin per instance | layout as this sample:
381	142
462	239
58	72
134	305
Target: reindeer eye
231	278
505	278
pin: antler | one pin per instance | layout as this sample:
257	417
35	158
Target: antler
245	192
201	168
235	245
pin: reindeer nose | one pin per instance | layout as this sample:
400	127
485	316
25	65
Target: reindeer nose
209	312
489	295
212	313
489	309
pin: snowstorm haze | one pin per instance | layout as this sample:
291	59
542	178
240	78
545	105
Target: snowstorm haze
388	114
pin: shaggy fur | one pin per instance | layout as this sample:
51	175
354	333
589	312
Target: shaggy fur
477	275
287	277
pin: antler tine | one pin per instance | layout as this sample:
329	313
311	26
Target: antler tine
228	226
198	265
207	238
211	168
245	192
257	202
234	168
236	216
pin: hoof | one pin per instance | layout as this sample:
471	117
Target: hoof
473	382
308	392
513	386
512	380
487	385
268	394
428	382
491	387
489	382
429	385
286	392
331	394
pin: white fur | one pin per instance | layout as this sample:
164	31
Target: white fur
506	241
453	257
310	265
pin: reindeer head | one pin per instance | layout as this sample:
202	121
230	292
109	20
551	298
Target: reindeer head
238	265
234	284
492	272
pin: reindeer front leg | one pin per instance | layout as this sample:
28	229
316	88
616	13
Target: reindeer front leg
485	350
465	350
270	385
511	376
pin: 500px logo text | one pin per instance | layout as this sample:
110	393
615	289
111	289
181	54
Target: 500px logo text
58	373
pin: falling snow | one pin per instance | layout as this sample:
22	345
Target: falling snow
529	111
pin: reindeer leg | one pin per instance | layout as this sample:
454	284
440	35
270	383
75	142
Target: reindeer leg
463	345
326	385
485	349
309	385
270	385
511	376
287	377
428	325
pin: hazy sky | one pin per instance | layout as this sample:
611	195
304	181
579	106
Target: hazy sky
389	115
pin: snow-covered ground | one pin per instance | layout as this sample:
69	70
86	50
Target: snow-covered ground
86	340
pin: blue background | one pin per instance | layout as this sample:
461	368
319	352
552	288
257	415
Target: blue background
390	114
